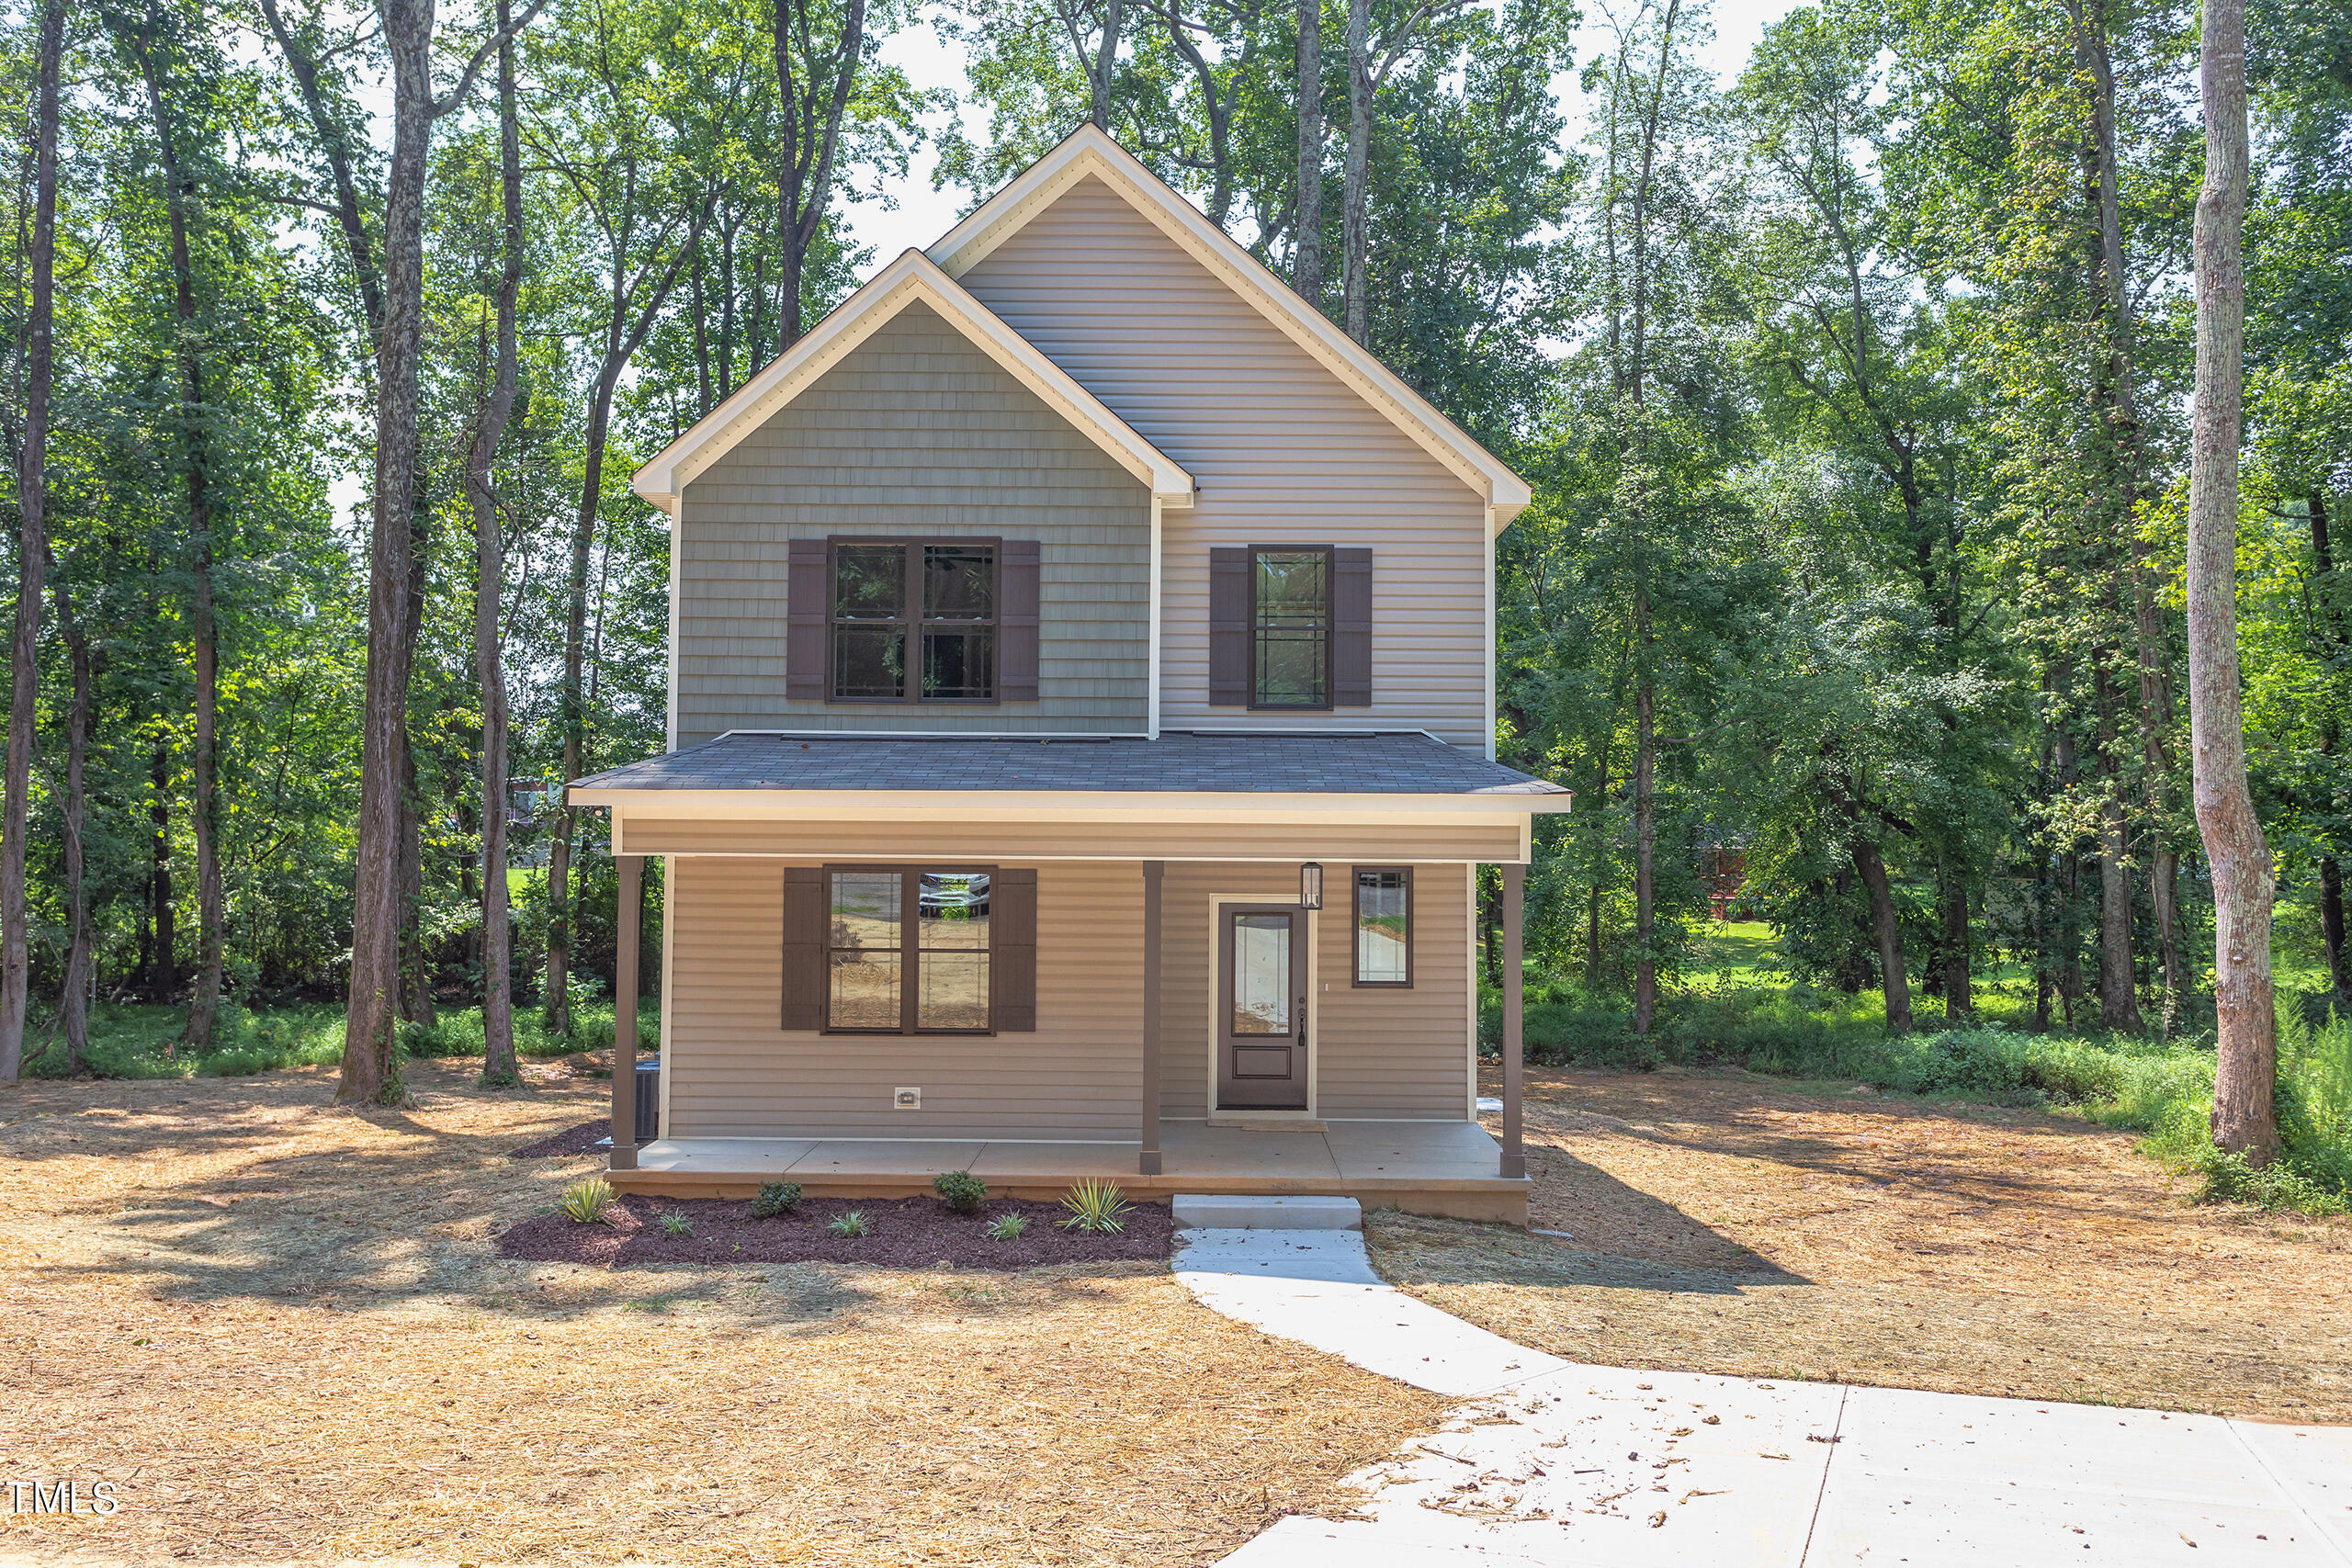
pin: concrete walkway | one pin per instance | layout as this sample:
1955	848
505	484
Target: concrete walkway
1557	1463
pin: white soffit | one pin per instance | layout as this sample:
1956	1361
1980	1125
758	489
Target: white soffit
911	278
1088	151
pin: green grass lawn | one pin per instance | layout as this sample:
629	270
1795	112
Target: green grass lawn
1733	1005
141	1041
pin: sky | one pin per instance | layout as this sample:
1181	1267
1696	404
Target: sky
923	214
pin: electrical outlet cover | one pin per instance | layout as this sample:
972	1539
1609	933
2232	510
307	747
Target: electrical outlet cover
906	1099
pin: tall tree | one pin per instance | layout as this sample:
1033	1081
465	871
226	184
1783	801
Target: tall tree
2244	1078
32	547
1306	254
370	1062
499	1066
817	59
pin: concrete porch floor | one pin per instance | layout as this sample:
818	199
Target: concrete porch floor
1425	1167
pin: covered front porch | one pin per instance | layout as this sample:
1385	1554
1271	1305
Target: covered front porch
1427	1167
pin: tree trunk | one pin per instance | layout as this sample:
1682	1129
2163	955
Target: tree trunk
2245	1073
1644	832
1958	1002
499	1068
1306	259
1106	63
812	117
416	978
32	557
2330	928
73	999
2119	996
1355	187
204	1003
163	974
1895	982
370	1070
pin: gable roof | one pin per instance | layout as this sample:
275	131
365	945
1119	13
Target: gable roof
911	278
1090	150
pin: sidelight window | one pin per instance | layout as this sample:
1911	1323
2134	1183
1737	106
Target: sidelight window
1383	926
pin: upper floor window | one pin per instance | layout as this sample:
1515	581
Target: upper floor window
1289	626
914	620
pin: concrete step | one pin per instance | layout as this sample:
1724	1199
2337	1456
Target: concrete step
1244	1213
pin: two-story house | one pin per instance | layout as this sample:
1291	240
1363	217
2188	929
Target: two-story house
1081	731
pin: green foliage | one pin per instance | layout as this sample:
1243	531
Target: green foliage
850	1224
960	1190
1095	1205
675	1223
587	1201
776	1198
1005	1227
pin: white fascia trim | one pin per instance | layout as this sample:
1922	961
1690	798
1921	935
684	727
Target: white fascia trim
914	807
1090	150
1151	696
1494	632
912	277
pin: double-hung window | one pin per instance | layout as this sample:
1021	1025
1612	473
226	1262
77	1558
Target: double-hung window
1384	925
914	620
908	950
1289	626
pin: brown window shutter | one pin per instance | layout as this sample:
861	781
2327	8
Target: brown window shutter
1012	921
1229	626
808	671
805	931
1018	598
1352	629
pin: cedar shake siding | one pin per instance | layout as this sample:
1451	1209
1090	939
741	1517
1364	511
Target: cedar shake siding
917	434
1283	451
1380	1054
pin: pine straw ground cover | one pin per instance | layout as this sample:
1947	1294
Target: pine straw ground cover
1725	1223
282	1330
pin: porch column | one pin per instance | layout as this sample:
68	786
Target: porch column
1148	1161
625	939
1514	1033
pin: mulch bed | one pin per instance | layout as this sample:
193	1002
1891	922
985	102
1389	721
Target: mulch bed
902	1233
580	1140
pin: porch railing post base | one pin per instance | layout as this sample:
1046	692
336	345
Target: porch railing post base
1147	1163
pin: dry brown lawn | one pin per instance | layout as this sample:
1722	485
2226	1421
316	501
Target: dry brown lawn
281	1328
1724	1222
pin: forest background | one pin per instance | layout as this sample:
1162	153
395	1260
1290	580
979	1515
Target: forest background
1851	368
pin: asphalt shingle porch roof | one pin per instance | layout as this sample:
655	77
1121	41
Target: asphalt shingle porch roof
1182	761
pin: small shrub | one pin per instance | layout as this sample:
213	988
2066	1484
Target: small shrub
587	1201
1095	1205
1004	1227
850	1224
960	1190
776	1198
2232	1178
677	1225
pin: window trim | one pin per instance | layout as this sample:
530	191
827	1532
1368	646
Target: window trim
913	544
1356	928
1330	567
910	875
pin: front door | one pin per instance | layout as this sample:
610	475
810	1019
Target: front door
1261	1008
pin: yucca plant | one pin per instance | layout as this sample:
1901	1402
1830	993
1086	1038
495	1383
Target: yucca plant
1095	1205
677	1225
850	1224
1004	1227
587	1201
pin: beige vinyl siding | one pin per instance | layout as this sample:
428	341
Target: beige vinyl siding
1284	452
736	1074
1385	1054
733	1073
916	432
1012	841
